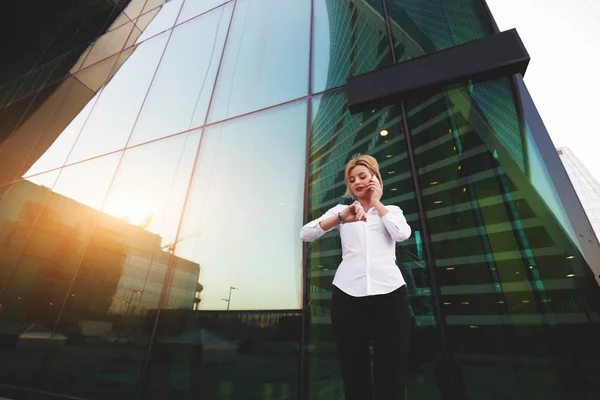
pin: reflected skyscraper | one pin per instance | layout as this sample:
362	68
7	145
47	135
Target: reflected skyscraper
585	185
155	154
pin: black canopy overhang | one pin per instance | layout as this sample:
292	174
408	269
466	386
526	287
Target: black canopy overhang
495	56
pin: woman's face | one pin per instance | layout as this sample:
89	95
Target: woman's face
359	178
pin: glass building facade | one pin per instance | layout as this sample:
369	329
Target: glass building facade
586	186
158	159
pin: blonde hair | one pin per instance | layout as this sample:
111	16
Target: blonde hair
366	161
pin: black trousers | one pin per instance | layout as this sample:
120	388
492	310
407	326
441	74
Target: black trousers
384	320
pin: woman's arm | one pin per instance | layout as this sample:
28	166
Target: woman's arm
318	227
396	224
392	217
330	220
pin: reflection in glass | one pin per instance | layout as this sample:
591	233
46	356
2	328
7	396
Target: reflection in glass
420	28
350	38
180	92
266	57
88	182
336	135
153	4
193	8
121	20
122	267
35	134
47	179
247	172
114	114
48	234
57	153
151	184
134	8
247	169
109	44
507	266
161	19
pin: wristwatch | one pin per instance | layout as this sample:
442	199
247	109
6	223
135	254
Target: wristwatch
340	218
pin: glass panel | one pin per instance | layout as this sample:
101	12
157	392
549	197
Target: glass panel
350	38
44	236
109	44
193	8
56	142
18	215
585	185
247	169
134	9
514	285
110	123
152	4
422	28
164	20
47	179
96	76
337	135
37	132
121	20
266	57
151	185
104	326
145	20
88	182
179	96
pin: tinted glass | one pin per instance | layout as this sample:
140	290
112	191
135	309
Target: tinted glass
57	153
158	19
35	134
509	269
336	136
180	93
46	233
266	57
420	28
237	251
107	268
193	8
114	114
349	38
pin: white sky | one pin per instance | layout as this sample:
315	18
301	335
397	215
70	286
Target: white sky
563	40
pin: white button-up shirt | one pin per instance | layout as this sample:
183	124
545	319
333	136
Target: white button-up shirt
368	251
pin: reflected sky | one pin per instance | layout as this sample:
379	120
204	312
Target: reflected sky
245	211
266	58
250	169
56	155
114	115
160	19
179	95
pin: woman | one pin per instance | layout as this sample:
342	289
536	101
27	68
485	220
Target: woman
369	300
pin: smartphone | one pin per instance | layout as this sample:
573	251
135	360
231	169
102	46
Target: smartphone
374	179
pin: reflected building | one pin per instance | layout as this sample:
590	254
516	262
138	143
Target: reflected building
157	144
585	185
122	274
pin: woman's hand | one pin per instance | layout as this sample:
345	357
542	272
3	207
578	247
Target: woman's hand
374	187
354	213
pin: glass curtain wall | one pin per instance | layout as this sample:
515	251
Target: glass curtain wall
151	198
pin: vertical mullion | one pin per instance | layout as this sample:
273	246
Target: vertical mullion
388	28
450	368
305	334
449	365
170	266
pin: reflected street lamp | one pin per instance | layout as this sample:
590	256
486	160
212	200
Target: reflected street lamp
134	291
228	299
